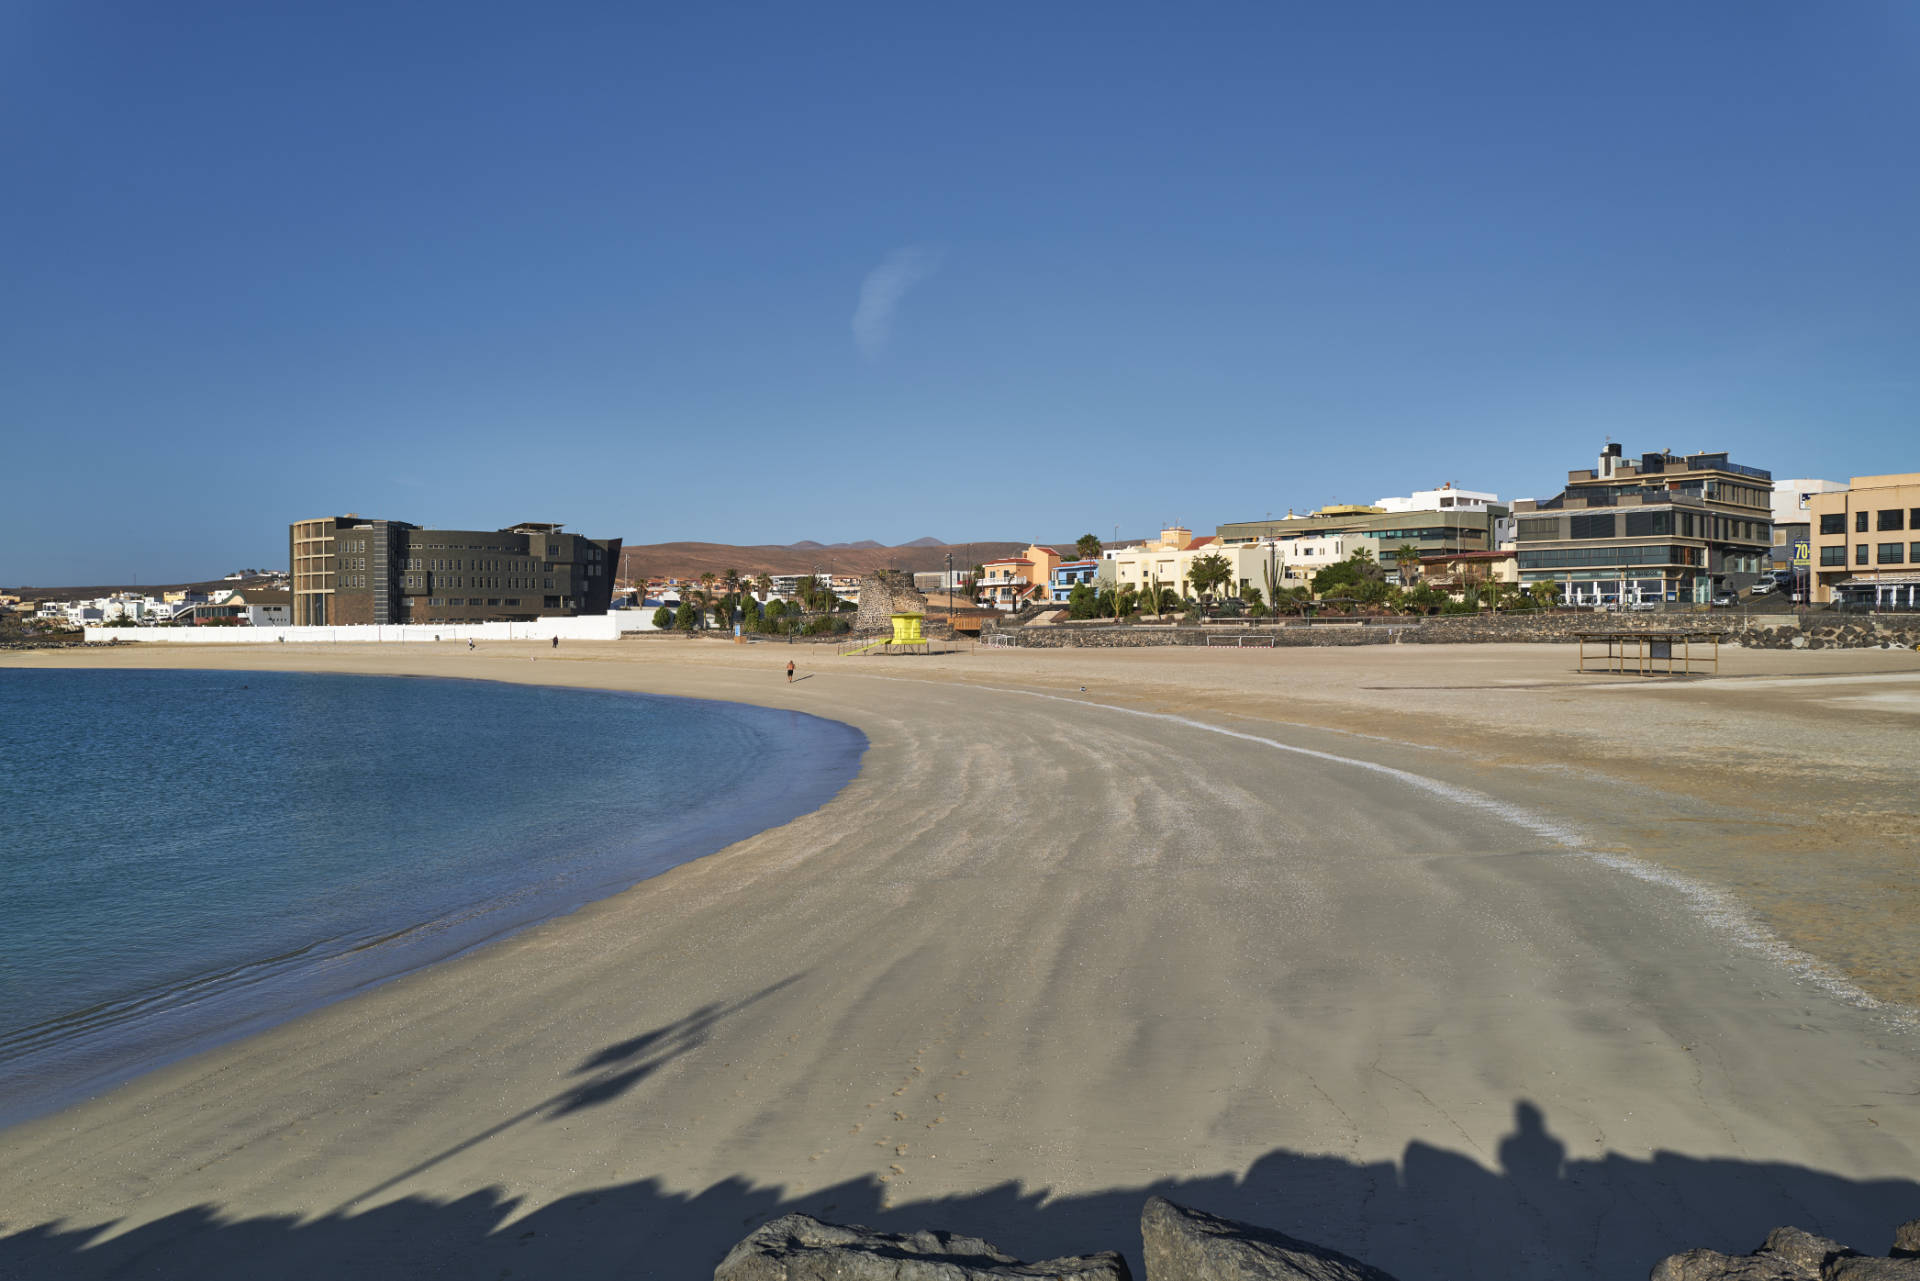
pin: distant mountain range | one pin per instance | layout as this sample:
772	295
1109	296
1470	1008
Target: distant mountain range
690	560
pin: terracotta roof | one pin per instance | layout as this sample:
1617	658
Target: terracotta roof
1202	542
1010	560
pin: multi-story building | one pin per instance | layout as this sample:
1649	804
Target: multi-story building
349	570
1013	581
1866	542
1069	574
1792	541
1457	520
1668	527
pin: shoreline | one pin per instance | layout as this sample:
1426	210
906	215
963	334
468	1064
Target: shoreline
1058	952
116	1039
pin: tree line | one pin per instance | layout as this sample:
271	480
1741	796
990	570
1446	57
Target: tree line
1356	584
722	600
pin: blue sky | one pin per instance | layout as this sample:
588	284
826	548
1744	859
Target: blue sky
762	273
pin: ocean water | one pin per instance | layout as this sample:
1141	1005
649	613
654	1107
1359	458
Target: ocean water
191	856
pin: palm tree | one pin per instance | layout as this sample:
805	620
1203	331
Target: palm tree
763	583
1088	547
708	579
1407	557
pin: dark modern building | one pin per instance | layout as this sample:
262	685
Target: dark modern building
1665	527
349	570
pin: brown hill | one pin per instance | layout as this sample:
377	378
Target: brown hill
690	560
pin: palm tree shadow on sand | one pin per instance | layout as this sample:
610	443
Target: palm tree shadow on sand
1432	1214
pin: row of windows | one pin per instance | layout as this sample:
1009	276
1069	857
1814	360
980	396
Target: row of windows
511	602
509	582
1882	554
1886	520
1565	556
1646	524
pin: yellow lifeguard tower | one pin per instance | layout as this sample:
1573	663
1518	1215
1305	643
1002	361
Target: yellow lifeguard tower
906	635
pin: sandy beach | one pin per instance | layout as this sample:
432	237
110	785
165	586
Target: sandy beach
1444	956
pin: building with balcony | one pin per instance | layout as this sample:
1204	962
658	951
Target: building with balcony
1013	581
1866	542
349	570
1665	527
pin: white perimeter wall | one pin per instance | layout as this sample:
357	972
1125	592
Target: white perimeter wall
591	627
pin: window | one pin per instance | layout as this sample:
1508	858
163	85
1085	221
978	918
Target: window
1889	518
1859	522
1913	553
1835	555
1833	523
1860	552
1646	524
1686	524
1890	553
1913	518
1593	526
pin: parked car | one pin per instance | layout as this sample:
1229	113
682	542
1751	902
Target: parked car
1725	599
1764	586
1640	605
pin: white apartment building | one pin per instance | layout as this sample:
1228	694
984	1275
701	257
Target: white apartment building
1444	499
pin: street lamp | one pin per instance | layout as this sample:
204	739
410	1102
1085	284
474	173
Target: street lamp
950	590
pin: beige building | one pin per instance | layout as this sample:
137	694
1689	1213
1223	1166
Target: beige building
1167	559
1866	542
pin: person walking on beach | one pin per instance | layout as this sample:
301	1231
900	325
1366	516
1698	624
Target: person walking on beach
469	642
556	642
789	671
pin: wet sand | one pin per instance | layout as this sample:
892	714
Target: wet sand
1444	956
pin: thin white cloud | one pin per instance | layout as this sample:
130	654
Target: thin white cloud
881	292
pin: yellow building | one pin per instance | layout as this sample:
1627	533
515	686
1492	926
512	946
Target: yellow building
1866	542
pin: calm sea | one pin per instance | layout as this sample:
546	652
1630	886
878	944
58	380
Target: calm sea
190	856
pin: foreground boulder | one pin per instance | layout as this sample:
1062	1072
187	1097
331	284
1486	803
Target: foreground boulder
1789	1254
1187	1245
798	1248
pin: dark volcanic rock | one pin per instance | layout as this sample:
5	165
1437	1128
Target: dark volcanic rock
1906	1240
1856	1267
1187	1245
799	1248
1802	1248
1788	1254
1711	1265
